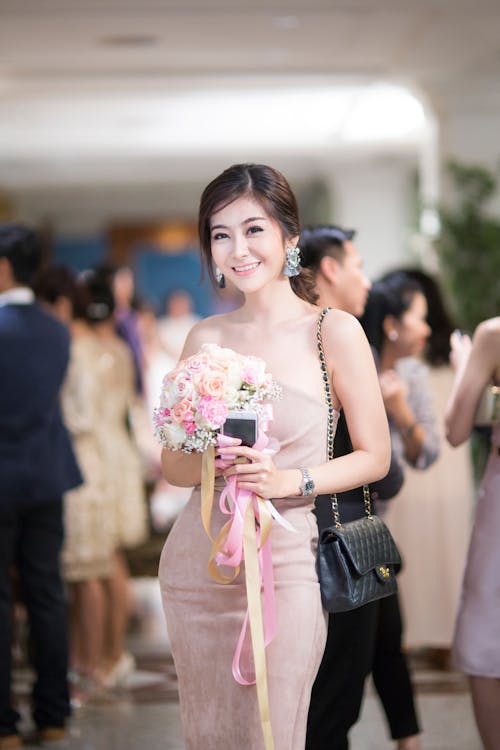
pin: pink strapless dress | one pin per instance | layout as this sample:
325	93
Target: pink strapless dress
477	633
204	618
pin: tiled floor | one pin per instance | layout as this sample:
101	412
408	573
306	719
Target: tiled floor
145	715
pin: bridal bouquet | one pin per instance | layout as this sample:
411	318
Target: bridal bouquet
198	394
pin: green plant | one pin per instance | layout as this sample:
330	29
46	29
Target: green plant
469	245
469	253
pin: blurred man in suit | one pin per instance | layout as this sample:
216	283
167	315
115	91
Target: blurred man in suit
37	466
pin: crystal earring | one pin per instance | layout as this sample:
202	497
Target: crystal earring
221	281
393	335
292	262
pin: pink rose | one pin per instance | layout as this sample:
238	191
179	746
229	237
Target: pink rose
212	384
182	412
190	427
161	416
197	363
250	375
213	411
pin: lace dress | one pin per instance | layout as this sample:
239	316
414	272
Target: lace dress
88	532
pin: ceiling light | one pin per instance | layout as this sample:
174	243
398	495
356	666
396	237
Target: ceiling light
384	112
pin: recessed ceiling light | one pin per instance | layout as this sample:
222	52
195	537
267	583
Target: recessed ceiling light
130	40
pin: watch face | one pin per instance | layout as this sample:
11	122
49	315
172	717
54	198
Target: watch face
307	483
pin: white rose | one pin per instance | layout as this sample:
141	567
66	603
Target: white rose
221	354
182	388
234	375
212	350
175	434
168	397
230	397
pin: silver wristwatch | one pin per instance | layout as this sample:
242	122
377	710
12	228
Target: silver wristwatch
307	484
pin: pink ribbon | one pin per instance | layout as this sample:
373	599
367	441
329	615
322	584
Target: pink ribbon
233	502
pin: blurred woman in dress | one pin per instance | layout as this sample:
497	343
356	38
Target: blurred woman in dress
435	505
125	489
477	634
395	324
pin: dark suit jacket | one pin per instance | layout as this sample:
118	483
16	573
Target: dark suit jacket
37	463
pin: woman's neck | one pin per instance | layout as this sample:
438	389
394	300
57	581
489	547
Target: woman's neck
388	358
105	329
79	327
276	303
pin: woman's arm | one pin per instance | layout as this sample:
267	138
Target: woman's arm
184	469
77	395
414	416
355	382
474	372
411	435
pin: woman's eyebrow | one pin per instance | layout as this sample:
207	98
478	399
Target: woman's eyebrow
254	218
247	221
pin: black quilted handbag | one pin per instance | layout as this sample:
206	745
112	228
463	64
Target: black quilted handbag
356	562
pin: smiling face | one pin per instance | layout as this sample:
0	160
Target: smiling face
247	244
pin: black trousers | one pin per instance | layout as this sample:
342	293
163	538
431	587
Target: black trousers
361	641
31	537
337	692
390	672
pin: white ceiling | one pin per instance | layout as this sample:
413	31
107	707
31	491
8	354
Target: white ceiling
103	90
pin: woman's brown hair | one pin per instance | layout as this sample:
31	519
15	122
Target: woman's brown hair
270	188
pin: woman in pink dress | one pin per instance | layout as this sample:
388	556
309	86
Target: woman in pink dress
249	229
477	632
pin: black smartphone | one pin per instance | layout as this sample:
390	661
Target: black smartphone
242	425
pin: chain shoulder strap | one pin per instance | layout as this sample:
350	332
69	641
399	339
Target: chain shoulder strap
330	428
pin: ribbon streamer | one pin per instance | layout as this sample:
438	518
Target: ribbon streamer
246	536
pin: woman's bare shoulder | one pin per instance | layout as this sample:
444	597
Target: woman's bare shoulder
341	327
488	331
486	347
207	331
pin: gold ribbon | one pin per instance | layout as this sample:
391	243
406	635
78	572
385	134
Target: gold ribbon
252	578
207	488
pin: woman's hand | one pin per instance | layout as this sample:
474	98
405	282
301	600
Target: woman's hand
394	393
260	474
223	457
461	345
